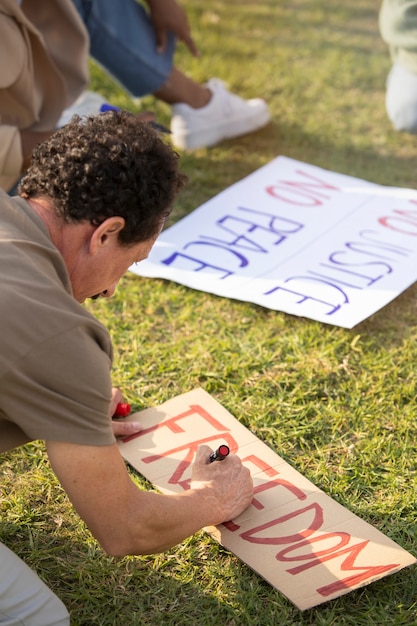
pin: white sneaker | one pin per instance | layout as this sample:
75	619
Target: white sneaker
225	116
89	103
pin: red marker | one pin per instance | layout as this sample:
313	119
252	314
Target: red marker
122	409
219	454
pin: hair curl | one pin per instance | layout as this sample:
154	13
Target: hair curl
107	165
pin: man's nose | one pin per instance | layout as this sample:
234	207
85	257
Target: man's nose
107	293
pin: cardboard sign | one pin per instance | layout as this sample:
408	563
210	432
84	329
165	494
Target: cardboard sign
296	238
296	537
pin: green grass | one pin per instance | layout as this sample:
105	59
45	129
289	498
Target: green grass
339	405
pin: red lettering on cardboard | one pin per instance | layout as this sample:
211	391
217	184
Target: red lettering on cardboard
174	427
277	482
191	448
343	539
365	571
315	524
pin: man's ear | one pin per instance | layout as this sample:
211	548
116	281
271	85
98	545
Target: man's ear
107	233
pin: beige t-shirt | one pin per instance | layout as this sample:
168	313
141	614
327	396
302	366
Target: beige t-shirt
55	357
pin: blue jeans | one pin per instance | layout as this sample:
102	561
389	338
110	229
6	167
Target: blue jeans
122	40
401	98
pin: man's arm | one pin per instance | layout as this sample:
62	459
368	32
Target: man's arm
126	520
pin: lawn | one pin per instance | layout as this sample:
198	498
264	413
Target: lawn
338	405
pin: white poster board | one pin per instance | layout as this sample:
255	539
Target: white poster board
296	537
296	238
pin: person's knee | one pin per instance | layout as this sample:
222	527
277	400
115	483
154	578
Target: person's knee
41	609
56	612
24	599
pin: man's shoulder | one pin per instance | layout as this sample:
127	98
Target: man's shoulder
37	307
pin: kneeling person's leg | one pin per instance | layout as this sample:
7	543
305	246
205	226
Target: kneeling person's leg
401	98
24	599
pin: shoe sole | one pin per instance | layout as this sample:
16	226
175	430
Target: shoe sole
238	128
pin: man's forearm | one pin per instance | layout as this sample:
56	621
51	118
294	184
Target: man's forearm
125	519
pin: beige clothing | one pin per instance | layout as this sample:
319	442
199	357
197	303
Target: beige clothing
44	68
55	357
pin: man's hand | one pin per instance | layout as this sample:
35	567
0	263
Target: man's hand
116	397
169	16
120	428
124	429
128	520
229	483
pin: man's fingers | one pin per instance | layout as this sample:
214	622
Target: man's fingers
124	429
202	455
116	397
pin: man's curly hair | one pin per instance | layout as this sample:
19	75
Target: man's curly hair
107	165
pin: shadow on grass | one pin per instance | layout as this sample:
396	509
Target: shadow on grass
169	590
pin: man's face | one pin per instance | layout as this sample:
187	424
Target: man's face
102	272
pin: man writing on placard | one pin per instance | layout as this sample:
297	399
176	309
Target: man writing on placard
91	204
